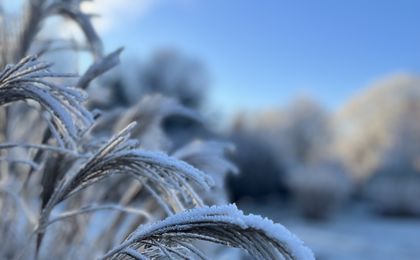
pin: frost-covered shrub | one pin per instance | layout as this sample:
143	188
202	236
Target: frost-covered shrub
366	126
274	143
315	178
260	171
395	182
304	135
318	190
395	191
71	191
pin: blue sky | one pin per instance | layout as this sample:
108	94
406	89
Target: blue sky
264	53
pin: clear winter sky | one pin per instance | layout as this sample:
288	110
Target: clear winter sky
265	53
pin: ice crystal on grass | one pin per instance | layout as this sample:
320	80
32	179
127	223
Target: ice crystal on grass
224	225
155	169
29	79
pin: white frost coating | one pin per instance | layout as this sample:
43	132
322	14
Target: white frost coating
222	216
55	107
163	160
279	233
169	179
27	80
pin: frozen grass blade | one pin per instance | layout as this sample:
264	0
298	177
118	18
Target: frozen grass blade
225	225
28	79
120	156
99	67
167	177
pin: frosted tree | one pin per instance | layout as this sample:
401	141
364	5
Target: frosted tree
371	122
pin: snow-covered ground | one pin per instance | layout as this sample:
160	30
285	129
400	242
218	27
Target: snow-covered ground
354	233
